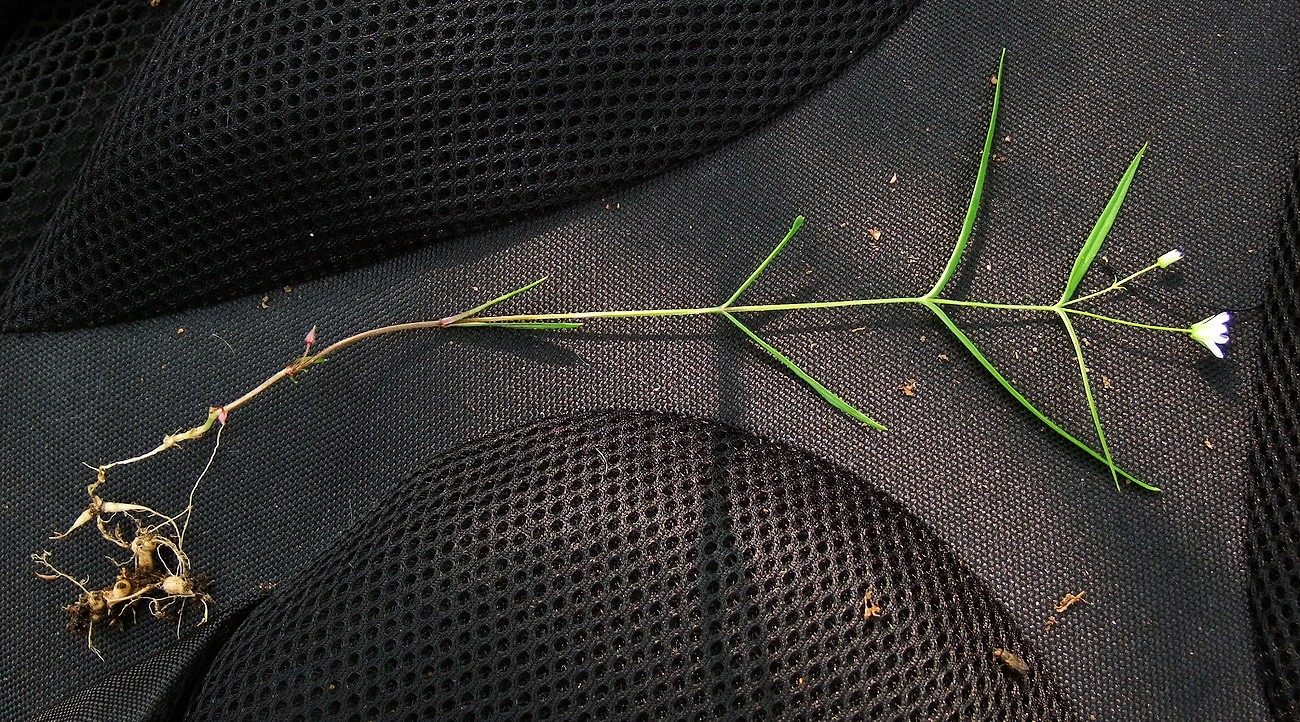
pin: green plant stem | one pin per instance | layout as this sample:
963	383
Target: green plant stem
758	308
1124	322
550	321
1114	286
688	311
467	319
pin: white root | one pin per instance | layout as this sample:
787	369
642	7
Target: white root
44	560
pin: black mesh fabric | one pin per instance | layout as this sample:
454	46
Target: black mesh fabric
262	143
630	566
1274	532
63	67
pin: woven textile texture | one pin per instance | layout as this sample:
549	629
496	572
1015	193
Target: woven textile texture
157	688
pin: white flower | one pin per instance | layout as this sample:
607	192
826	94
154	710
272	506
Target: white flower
1169	258
1211	332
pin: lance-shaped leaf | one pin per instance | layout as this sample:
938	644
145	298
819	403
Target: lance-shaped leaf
794	228
997	375
485	306
1101	228
524	325
1087	392
972	210
821	390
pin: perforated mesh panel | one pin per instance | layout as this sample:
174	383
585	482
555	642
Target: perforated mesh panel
1275	506
63	66
266	142
621	566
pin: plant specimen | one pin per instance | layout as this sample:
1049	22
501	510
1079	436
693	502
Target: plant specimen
159	574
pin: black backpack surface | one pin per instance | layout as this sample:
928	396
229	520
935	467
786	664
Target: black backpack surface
655	517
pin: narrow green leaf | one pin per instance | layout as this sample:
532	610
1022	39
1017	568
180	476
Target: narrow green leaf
1101	228
794	228
1087	391
972	210
525	325
483	307
824	392
988	366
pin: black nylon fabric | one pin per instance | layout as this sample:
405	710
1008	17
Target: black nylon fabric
629	566
1169	633
159	687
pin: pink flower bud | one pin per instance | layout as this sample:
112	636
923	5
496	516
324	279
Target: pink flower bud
221	416
311	337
